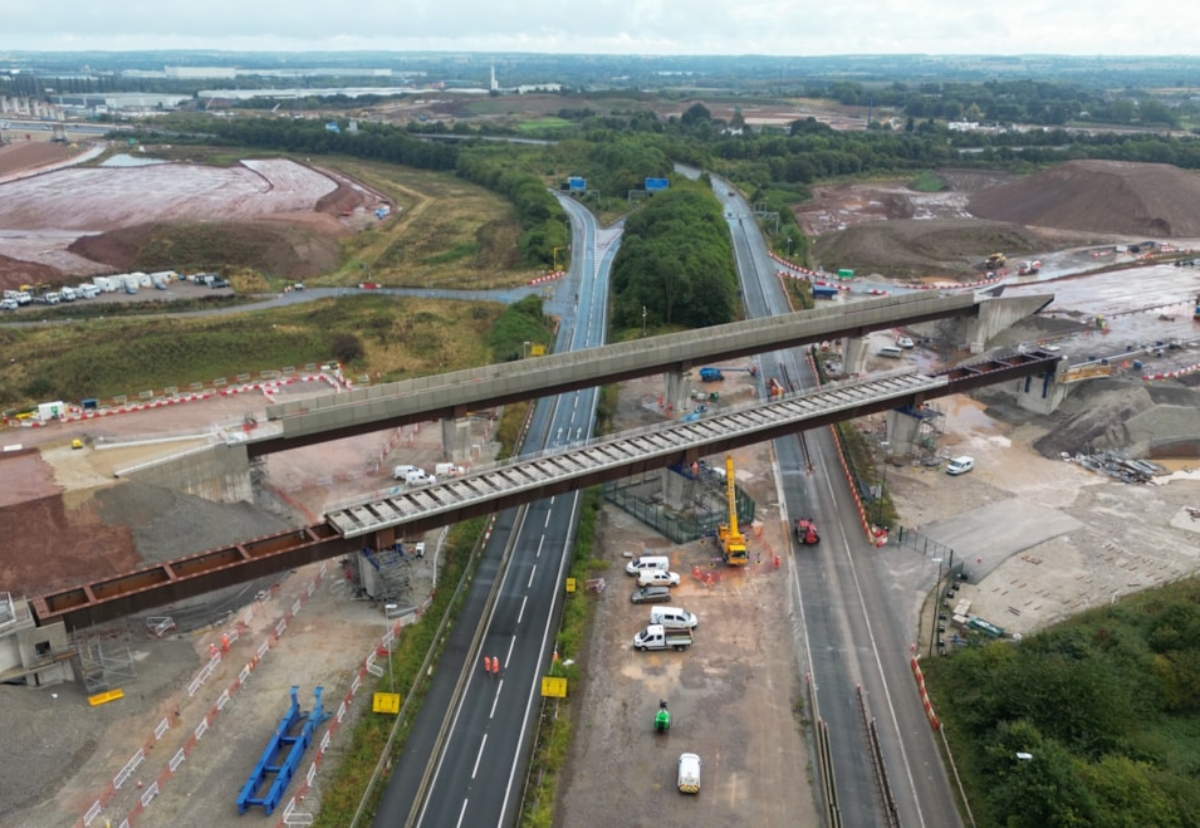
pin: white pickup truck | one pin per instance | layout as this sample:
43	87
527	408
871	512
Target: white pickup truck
658	637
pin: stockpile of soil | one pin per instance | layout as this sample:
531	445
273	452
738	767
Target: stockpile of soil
906	248
273	247
1120	197
14	273
62	540
20	156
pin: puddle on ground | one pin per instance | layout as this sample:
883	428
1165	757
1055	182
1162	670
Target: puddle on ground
966	413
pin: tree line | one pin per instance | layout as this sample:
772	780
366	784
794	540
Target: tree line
1090	723
675	265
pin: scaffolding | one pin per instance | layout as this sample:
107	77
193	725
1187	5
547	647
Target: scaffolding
384	575
99	666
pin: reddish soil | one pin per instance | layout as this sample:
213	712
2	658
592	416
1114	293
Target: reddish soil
24	155
1120	197
281	245
886	228
50	537
273	215
14	273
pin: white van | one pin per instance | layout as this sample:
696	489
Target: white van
688	780
68	294
891	352
420	477
673	618
401	472
447	470
645	562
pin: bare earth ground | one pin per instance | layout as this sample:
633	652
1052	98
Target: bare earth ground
731	694
23	155
82	748
1127	537
104	198
88	220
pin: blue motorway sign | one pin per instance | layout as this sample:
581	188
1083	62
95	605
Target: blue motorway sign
576	183
654	185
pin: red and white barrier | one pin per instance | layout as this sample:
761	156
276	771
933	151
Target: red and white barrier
217	654
549	277
1167	375
928	705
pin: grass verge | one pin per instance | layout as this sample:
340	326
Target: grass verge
399	337
927	181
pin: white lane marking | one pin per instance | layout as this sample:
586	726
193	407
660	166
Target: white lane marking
499	687
521	614
479	756
511	644
531	574
462	813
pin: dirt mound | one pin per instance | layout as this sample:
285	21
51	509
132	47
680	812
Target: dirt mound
20	156
907	248
273	247
14	273
1100	196
61	540
972	181
51	544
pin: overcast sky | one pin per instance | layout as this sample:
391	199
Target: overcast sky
662	27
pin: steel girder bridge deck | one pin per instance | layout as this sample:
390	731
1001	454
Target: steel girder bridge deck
522	480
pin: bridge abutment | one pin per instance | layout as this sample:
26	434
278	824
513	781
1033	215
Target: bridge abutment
1042	393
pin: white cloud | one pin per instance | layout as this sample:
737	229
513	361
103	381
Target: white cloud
607	26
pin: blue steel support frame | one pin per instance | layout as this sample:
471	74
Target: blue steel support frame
296	746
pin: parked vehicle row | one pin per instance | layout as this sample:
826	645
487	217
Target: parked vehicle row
670	628
14	299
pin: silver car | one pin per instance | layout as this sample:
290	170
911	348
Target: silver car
651	595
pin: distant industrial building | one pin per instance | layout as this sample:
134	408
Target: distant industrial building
125	103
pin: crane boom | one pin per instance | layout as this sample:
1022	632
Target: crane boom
733	543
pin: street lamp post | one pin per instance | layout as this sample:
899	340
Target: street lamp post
789	247
525	351
643	321
937	607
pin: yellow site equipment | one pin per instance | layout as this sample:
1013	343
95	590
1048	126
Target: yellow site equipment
733	542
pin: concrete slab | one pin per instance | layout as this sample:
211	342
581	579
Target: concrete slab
986	537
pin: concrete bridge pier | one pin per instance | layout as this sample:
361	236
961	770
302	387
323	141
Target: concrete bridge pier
678	490
903	428
854	355
678	387
456	439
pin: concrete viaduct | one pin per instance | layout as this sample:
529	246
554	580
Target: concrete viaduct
448	397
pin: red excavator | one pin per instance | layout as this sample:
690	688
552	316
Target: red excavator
806	531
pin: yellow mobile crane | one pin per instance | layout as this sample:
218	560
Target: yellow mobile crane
733	542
